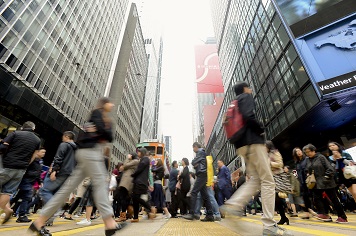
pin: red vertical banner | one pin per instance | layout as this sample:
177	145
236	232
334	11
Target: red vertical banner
208	75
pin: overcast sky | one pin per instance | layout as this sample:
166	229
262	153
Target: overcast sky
186	23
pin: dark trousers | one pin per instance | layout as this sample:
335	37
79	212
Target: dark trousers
223	194
24	197
184	202
200	186
318	198
280	206
137	200
74	205
306	197
122	201
174	203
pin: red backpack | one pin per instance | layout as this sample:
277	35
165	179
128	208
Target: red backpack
233	122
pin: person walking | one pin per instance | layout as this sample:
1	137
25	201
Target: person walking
173	179
140	180
318	165
184	179
62	166
200	165
276	161
25	193
224	183
126	184
17	148
251	147
90	163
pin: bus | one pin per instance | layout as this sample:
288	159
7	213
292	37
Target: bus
155	148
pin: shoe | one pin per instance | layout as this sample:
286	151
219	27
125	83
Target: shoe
313	213
341	220
68	218
294	215
282	221
152	214
84	222
322	217
23	219
40	232
122	217
196	217
305	217
168	216
217	218
135	220
189	217
275	230
7	217
208	219
109	232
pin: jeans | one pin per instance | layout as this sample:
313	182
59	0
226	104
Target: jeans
200	186
90	163
51	187
25	194
223	194
213	202
259	168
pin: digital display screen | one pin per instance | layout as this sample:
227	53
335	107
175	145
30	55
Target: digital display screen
305	16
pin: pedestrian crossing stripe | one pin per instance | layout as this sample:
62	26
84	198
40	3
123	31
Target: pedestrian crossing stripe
78	230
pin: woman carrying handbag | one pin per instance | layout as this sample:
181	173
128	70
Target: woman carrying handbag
324	176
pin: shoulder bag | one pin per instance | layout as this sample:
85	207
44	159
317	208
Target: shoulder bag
311	181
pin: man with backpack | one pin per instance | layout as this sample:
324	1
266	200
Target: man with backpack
62	166
250	144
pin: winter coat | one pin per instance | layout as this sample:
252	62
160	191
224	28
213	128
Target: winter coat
276	162
22	145
141	176
323	171
185	180
199	162
252	133
173	179
301	170
158	173
126	178
64	160
33	172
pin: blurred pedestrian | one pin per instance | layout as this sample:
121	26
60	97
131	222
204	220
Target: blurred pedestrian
17	149
224	183
250	145
90	163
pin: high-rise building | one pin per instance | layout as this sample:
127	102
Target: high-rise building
128	87
299	61
168	144
57	57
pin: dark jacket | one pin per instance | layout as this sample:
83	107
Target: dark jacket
173	175
141	176
33	172
158	173
185	180
301	171
23	144
103	133
224	178
64	160
323	171
199	162
252	133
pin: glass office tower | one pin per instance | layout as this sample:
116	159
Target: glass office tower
256	45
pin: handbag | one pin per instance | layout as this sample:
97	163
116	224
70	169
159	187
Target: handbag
350	172
233	122
311	181
283	183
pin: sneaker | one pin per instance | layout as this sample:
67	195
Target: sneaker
275	230
77	215
341	220
208	219
23	219
167	216
84	222
189	217
322	217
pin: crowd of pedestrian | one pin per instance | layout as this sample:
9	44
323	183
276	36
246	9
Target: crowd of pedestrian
79	181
